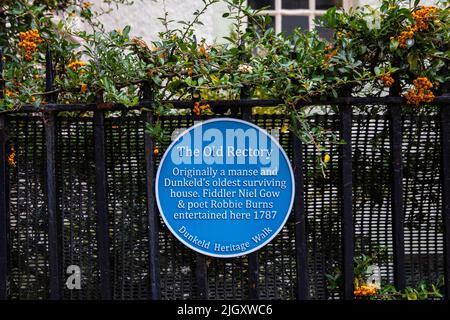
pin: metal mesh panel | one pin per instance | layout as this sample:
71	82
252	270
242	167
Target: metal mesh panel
28	214
76	182
227	279
127	207
322	211
422	198
371	190
176	260
277	259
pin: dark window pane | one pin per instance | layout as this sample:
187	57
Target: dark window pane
326	4
295	4
272	23
258	4
289	23
325	33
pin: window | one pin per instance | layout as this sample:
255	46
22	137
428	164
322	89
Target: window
288	14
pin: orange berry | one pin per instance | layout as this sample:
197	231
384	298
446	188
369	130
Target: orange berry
84	88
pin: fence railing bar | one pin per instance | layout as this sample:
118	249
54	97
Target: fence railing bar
397	197
445	167
201	267
301	237
396	141
354	101
103	241
49	77
4	197
201	274
253	258
152	212
346	177
54	217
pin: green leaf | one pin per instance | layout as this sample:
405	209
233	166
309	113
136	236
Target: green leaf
126	31
412	59
393	45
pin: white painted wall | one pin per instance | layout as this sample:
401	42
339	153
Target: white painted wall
143	15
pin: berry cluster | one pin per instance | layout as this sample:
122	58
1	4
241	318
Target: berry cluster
200	108
387	80
29	41
421	92
405	36
422	18
330	55
10	93
76	64
245	68
364	291
83	88
87	5
12	162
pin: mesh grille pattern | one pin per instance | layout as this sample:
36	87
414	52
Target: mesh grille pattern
76	182
372	191
422	197
28	214
227	279
127	207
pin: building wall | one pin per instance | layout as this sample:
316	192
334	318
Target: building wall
376	3
143	16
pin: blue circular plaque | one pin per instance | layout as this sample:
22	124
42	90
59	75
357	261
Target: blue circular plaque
225	187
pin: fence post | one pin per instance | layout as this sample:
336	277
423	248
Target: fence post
300	221
54	218
346	177
253	259
152	212
3	197
3	208
103	240
201	268
445	167
54	234
396	140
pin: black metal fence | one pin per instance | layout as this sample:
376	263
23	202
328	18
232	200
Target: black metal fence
82	193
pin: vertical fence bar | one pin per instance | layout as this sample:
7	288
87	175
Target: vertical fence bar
201	267
445	167
103	241
3	209
253	259
54	245
201	273
3	197
152	212
300	221
54	218
346	178
396	140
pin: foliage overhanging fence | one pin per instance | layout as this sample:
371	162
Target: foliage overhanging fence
82	193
